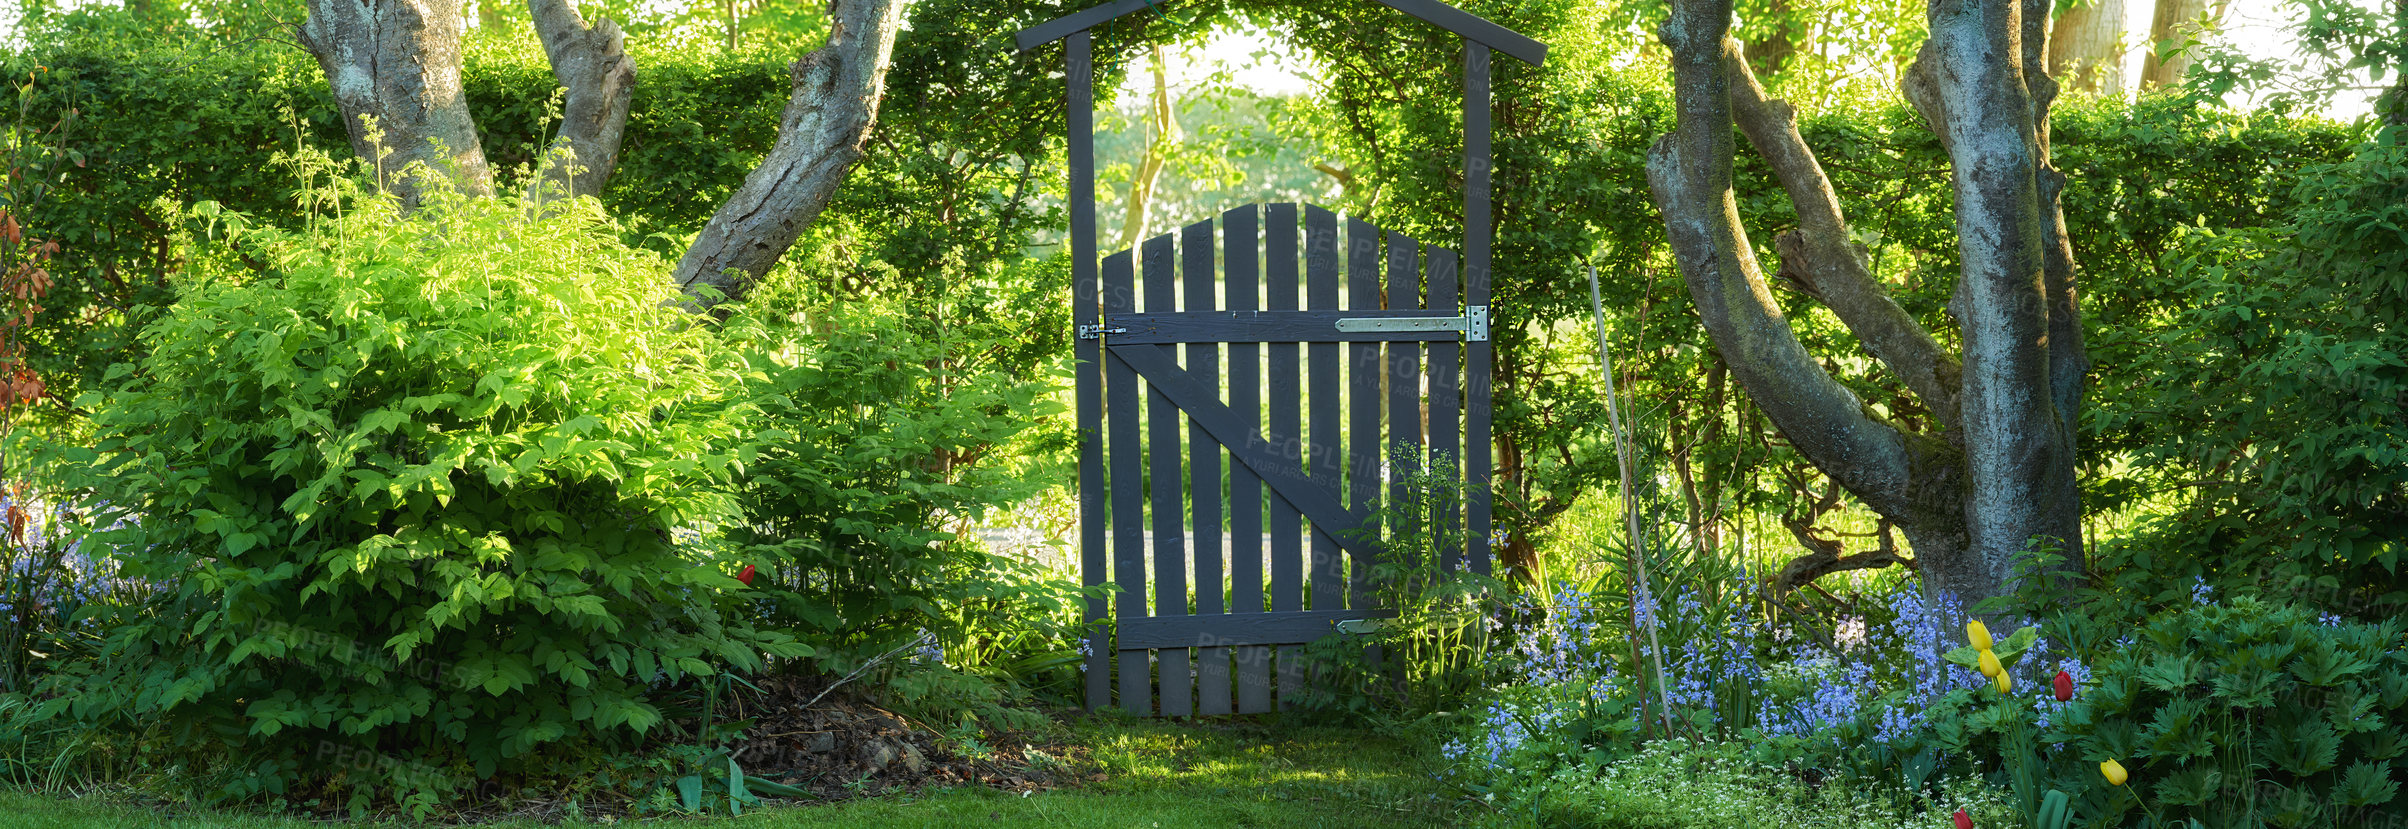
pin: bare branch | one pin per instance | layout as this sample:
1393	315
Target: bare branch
1826	556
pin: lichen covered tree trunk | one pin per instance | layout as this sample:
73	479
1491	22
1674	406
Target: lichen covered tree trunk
398	62
592	65
1994	473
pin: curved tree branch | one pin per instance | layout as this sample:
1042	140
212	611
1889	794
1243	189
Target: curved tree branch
1689	171
1825	556
835	101
1825	261
592	64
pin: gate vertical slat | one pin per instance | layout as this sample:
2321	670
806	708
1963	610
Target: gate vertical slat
1286	430
1240	268
1128	476
1478	165
1093	556
1204	470
1162	447
1363	371
1446	405
1404	396
1322	392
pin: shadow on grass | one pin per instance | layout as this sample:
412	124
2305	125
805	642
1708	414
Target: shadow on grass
1218	773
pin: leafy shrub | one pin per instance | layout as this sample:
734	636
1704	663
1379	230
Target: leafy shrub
412	487
2302	478
2247	714
872	451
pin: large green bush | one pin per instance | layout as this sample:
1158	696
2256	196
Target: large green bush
2283	380
413	488
168	119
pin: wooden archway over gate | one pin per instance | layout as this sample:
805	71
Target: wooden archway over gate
1391	329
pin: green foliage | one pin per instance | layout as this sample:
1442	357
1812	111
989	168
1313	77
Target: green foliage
412	487
1681	784
2290	382
1434	656
869	458
2243	714
171	119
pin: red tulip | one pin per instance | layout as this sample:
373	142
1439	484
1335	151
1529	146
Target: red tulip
2064	685
746	576
1963	821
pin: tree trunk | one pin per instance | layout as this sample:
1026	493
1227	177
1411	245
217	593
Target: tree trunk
591	63
2085	48
1997	472
2175	23
398	63
1771	55
835	101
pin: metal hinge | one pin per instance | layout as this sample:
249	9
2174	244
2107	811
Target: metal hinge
1473	324
1357	626
1097	332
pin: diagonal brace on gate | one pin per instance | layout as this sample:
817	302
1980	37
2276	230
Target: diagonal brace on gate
1248	447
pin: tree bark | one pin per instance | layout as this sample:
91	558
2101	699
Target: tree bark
834	104
1978	82
1997	473
2174	23
591	63
2085	48
398	62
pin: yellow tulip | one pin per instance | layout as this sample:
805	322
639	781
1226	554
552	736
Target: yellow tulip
1990	666
1979	634
2002	680
2114	772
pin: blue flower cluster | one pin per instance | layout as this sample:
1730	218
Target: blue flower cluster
1734	670
49	572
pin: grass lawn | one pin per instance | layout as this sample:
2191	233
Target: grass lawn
1156	774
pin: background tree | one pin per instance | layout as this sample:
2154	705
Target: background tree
2086	47
1994	473
2173	31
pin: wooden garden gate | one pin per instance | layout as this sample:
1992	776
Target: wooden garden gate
1386	341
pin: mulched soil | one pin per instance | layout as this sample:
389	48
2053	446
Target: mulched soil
842	747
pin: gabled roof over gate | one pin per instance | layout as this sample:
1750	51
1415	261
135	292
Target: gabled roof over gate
1471	26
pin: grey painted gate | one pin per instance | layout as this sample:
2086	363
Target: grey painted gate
1219	391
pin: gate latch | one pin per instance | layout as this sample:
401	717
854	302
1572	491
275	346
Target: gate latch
1473	324
1097	331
